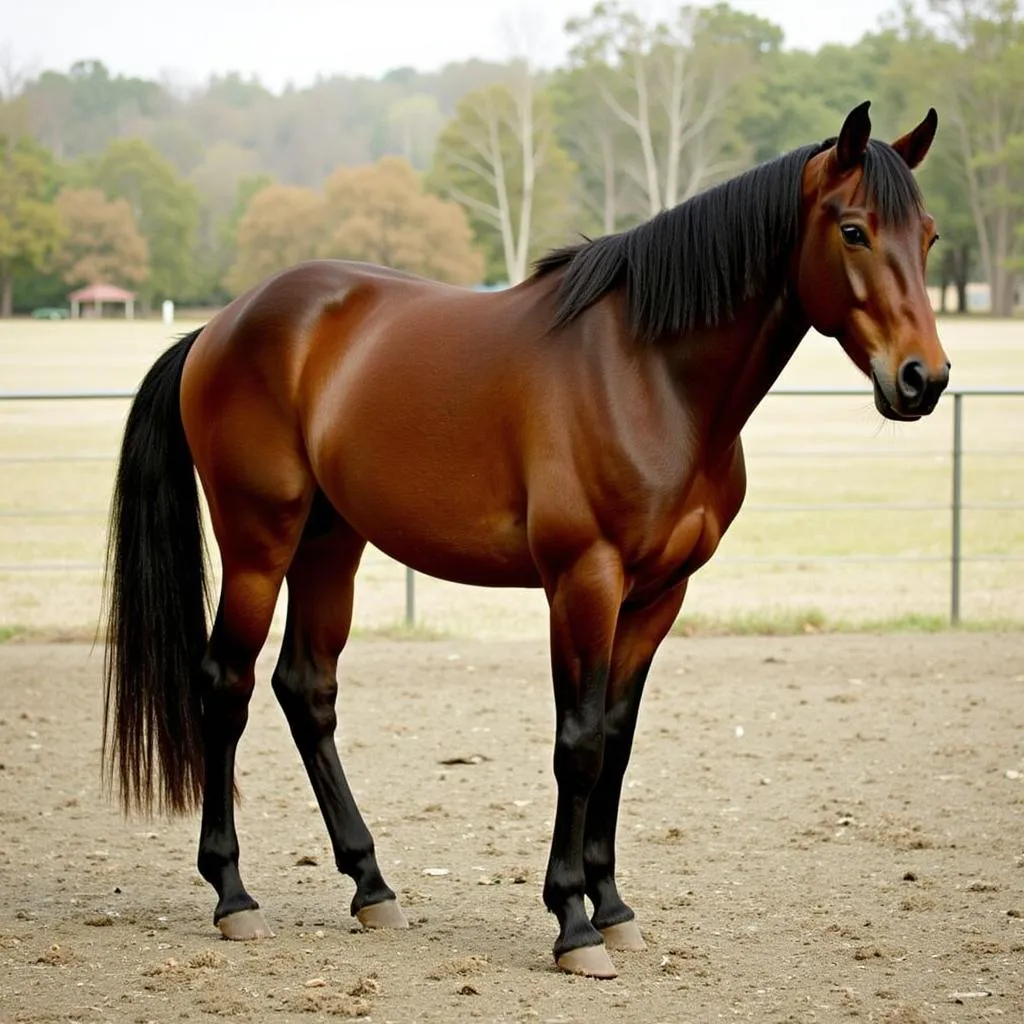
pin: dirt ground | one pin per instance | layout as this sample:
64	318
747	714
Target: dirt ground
821	828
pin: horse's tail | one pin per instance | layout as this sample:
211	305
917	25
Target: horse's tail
156	603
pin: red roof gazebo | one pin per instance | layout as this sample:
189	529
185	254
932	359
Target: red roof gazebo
98	294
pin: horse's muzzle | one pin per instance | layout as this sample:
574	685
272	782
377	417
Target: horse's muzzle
913	393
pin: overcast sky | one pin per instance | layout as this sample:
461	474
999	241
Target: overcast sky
294	40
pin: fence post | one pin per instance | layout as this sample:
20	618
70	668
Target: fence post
410	597
954	590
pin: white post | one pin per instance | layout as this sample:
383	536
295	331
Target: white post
168	311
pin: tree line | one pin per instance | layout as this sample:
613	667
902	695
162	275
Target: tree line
468	173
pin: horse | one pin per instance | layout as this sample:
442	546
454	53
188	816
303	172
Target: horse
579	432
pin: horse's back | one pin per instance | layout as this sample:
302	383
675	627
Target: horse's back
418	402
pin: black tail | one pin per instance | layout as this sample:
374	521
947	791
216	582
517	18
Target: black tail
156	594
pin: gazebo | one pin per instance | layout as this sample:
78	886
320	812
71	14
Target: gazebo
97	294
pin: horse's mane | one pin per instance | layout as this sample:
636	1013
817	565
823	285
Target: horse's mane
694	265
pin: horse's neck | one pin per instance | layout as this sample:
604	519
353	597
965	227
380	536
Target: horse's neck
723	373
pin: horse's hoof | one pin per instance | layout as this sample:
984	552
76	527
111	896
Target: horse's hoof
590	961
382	915
245	926
624	936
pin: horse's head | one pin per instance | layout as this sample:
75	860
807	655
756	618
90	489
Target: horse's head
861	264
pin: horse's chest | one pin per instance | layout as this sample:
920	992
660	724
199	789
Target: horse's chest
692	541
691	536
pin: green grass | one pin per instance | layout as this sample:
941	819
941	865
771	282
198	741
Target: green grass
796	622
400	630
48	634
759	623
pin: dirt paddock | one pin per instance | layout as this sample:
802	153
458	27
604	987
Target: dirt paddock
822	828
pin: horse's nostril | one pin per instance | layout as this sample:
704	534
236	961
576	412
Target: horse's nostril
912	380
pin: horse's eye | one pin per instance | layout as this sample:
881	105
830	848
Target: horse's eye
854	235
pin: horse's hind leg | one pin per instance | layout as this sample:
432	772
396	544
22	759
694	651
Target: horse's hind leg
637	636
320	591
257	540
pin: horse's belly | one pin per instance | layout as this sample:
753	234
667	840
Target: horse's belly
434	508
489	551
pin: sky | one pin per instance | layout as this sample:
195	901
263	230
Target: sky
284	41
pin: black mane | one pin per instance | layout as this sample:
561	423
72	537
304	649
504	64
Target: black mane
696	264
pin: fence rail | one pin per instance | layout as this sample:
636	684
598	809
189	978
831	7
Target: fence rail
956	506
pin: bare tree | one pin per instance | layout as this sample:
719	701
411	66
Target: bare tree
502	148
499	156
13	76
663	92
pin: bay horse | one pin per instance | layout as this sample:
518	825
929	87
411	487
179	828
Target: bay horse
578	432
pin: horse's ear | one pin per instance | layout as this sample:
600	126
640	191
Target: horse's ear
914	146
853	139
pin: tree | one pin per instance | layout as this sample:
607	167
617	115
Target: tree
500	159
102	242
975	61
375	214
30	226
597	143
943	176
668	83
733	51
281	226
85	109
217	181
414	123
380	214
165	208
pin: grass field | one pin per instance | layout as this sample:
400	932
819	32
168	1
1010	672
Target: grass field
57	460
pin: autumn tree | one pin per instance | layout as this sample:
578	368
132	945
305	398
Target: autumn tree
375	214
102	242
282	225
500	158
381	214
30	226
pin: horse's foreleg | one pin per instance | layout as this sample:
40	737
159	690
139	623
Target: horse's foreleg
320	591
584	601
637	636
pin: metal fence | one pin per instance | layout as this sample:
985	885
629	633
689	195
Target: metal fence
955	506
